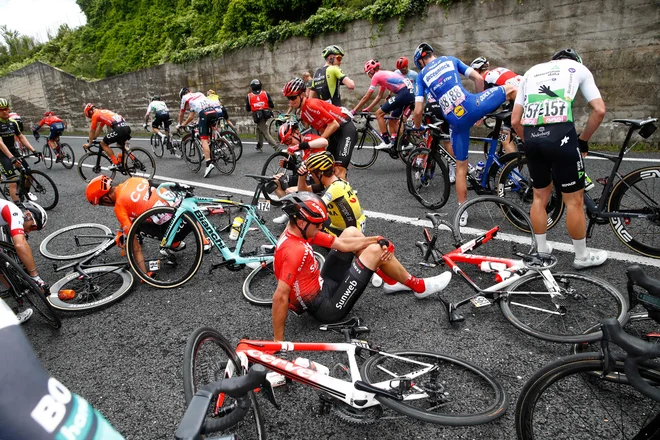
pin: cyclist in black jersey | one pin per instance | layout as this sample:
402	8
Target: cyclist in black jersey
327	79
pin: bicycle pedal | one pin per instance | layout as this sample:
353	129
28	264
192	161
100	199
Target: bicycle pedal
480	301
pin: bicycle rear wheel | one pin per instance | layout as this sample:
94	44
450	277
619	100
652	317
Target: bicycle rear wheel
157	266
364	153
42	187
223	155
562	400
208	358
76	241
279	162
192	153
234	141
157	145
139	163
88	168
48	157
427	178
101	286
456	393
584	302
67	156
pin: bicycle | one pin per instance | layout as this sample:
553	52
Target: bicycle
63	153
556	307
276	122
221	149
500	118
134	162
568	390
90	285
225	130
167	268
426	386
32	185
630	203
172	142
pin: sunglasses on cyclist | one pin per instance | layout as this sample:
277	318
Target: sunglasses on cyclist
4	109
292	98
339	57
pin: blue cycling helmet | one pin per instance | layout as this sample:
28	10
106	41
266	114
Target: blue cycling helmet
421	51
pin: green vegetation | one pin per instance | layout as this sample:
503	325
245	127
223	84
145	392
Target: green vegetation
124	35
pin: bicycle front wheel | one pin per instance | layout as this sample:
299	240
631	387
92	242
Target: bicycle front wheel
48	157
43	188
157	145
192	153
235	142
427	178
139	163
67	156
158	266
76	241
91	165
101	286
223	155
583	302
563	400
279	162
364	153
455	393
209	358
638	193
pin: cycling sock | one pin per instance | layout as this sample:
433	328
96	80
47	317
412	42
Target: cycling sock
386	278
393	139
541	243
580	247
415	284
208	162
115	160
386	137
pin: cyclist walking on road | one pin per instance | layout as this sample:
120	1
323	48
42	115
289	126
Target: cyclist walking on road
328	79
261	105
543	118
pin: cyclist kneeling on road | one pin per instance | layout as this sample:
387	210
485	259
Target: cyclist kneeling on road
56	129
121	132
329	295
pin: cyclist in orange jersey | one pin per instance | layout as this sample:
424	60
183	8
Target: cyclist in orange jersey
120	131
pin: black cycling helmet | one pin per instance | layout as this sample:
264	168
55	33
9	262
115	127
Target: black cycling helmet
156	98
37	213
305	206
421	51
255	85
569	53
183	91
332	50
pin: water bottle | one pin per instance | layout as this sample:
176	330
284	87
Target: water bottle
471	169
588	183
480	169
236	228
503	275
487	266
304	362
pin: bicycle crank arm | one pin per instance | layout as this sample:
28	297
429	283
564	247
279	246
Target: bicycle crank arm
222	264
363	386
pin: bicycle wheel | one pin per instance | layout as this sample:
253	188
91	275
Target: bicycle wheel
67	156
223	155
175	142
456	393
139	163
585	301
486	212
48	157
427	178
364	153
24	288
274	125
88	168
279	162
42	187
234	141
638	193
100	287
157	145
192	153
515	184
76	241
561	401
160	267
208	358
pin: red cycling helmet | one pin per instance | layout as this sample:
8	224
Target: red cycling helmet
97	188
294	87
402	63
286	132
305	206
48	113
88	110
371	65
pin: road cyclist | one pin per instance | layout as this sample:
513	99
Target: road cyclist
120	132
57	127
161	118
199	105
328	79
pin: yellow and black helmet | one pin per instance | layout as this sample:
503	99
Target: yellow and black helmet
320	161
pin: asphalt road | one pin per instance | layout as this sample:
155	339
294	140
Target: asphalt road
127	358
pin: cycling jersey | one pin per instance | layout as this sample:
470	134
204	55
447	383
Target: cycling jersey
214	98
319	114
156	106
389	80
411	75
326	83
102	117
135	196
500	77
12	217
8	129
195	102
343	207
34	405
56	126
18	119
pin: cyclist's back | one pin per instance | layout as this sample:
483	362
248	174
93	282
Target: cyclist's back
344	207
326	82
135	196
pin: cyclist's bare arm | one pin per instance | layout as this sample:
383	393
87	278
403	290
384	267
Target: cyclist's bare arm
595	118
349	83
477	80
330	129
516	118
189	119
25	254
377	99
280	309
364	99
417	115
25	142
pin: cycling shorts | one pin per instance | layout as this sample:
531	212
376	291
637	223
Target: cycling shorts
56	129
465	115
395	104
206	119
341	143
152	229
553	154
7	166
161	118
120	133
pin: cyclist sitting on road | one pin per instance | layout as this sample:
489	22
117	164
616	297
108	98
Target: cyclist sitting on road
334	123
20	221
327	79
161	116
56	129
329	295
402	90
199	104
403	70
543	118
120	132
439	76
10	131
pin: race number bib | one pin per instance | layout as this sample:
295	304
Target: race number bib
408	84
451	99
549	111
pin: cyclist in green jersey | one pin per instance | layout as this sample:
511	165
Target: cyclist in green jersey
327	79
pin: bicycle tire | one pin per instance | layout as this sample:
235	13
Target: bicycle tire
24	287
485	212
150	244
67	155
63	244
515	184
427	178
494	170
548	403
48	157
139	163
645	239
87	168
157	145
175	144
223	156
200	369
482	407
105	285
364	153
272	167
274	125
235	141
576	315
192	153
42	187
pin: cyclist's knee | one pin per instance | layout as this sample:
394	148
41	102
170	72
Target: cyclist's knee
351	231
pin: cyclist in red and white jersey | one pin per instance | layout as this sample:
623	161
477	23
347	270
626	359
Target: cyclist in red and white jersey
198	103
120	131
329	294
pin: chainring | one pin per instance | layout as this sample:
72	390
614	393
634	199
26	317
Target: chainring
355	416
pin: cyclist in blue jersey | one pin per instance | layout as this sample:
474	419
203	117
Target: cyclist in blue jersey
439	76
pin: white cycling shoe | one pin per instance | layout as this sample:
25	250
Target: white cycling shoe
24	315
281	219
452	173
463	221
433	285
595	258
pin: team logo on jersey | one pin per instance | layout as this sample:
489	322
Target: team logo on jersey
459	111
572	70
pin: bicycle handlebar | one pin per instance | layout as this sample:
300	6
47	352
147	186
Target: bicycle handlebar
193	422
177	187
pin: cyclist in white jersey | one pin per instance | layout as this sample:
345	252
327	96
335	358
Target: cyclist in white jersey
203	107
543	118
161	115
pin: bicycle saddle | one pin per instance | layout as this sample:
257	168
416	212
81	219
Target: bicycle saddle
637	276
260	178
354	326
